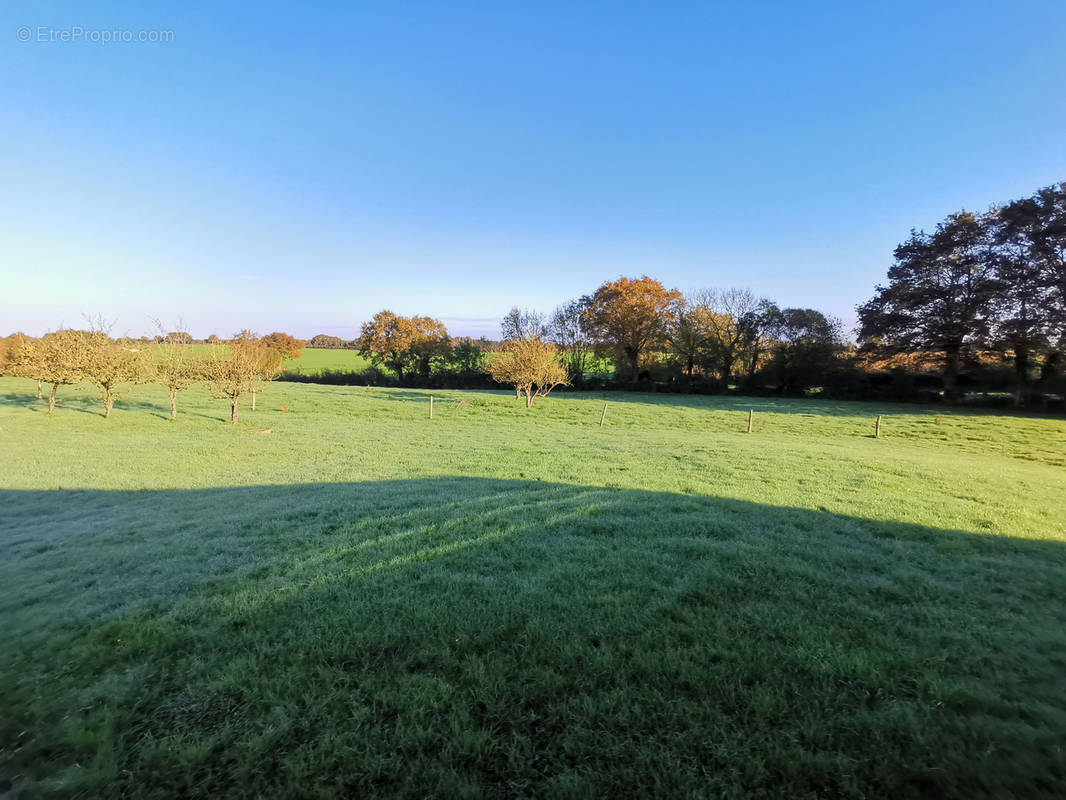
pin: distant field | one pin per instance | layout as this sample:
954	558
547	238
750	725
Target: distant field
315	361
347	598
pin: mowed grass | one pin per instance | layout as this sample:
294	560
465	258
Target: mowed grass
348	598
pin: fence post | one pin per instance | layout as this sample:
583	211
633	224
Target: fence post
604	414
877	428
431	406
751	416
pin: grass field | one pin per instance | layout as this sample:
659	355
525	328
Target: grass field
316	360
348	598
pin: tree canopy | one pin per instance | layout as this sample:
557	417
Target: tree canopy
531	366
628	316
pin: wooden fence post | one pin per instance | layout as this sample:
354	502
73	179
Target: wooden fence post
877	428
604	414
751	416
431	406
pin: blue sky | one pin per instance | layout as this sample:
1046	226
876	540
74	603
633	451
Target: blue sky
299	166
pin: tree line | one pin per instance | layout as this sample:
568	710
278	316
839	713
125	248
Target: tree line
978	304
991	283
233	368
651	335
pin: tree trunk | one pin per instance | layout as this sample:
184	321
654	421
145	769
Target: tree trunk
233	412
52	398
1021	367
253	399
109	403
173	403
529	399
952	360
38	388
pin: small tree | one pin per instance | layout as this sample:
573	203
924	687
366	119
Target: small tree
232	370
61	359
22	358
270	358
530	366
109	364
175	368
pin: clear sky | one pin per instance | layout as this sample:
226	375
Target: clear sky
299	166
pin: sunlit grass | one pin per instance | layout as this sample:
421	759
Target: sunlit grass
316	360
501	602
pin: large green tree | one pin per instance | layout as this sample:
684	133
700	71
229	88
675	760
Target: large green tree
805	345
939	296
1028	261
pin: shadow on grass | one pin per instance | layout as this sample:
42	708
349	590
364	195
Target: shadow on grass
461	636
806	405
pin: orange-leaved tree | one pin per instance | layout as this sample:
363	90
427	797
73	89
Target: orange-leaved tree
286	344
429	342
386	340
404	343
629	316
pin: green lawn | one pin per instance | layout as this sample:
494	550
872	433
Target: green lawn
348	598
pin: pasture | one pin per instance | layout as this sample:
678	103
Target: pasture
316	360
350	598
